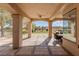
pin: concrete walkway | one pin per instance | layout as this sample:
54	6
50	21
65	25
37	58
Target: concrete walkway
38	44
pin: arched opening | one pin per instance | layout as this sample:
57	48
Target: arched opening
39	27
57	26
5	28
69	30
24	28
67	27
39	34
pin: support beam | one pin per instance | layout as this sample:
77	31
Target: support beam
50	29
57	10
41	19
18	9
17	28
29	29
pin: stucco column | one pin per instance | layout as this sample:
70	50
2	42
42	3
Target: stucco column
50	29
77	26
29	29
1	24
17	29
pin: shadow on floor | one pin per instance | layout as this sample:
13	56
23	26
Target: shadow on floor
45	43
26	38
6	45
38	50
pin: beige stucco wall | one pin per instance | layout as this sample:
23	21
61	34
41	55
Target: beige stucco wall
70	46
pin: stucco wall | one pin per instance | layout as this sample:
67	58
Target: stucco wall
71	47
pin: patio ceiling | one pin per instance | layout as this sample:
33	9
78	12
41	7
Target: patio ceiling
36	11
44	11
7	7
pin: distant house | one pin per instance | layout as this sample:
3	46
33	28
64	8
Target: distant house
54	29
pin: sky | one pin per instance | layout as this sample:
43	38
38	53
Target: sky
42	23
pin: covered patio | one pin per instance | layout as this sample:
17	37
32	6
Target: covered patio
40	44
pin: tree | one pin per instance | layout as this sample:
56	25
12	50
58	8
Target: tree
33	27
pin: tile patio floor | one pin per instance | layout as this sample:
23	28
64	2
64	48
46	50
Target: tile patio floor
37	45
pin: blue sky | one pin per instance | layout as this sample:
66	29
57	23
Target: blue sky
42	23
